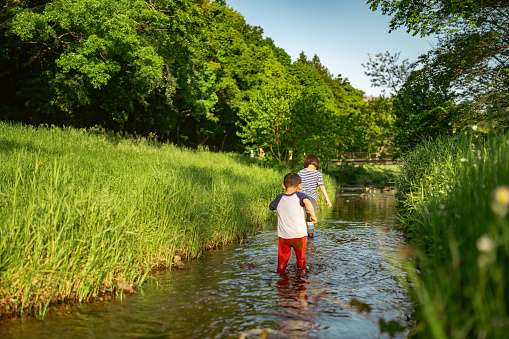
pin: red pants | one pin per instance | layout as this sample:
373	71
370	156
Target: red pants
285	251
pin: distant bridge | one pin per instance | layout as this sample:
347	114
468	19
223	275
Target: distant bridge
366	158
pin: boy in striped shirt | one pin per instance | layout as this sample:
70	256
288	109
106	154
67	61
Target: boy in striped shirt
311	180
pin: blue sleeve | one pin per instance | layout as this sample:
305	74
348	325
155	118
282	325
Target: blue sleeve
302	196
273	204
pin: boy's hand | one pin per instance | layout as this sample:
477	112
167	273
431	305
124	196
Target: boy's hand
313	219
328	203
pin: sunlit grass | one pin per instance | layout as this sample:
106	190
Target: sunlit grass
456	200
81	210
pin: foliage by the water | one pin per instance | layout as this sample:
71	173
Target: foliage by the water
366	175
461	80
83	209
455	194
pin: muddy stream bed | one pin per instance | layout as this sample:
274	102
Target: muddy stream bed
236	289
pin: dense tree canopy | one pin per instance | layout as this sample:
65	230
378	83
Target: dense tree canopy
192	72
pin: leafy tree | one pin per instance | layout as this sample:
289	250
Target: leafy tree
385	71
472	53
270	122
372	129
423	110
234	60
101	60
292	116
361	126
317	115
442	16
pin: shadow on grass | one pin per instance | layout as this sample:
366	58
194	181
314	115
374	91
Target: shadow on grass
11	146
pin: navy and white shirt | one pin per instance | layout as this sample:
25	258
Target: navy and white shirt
311	179
291	221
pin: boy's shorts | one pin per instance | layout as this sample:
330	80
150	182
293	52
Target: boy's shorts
315	206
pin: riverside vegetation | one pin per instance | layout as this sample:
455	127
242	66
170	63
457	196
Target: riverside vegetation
82	210
455	197
365	175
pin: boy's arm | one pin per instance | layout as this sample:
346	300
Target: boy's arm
324	191
311	209
273	204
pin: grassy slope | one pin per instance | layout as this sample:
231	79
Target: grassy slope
81	210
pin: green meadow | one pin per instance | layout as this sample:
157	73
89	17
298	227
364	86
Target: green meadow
81	210
454	194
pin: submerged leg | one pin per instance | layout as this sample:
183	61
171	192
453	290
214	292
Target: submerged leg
283	255
299	246
311	229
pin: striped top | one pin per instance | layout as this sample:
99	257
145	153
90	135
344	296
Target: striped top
311	179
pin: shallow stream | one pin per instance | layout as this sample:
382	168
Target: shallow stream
236	289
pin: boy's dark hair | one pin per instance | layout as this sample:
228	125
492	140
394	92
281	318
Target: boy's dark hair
311	159
292	180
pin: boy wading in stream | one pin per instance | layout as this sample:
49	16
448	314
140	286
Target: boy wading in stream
311	180
291	225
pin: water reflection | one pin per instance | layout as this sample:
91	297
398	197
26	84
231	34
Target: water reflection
298	316
236	289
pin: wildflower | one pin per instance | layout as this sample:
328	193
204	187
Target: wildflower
500	201
463	159
474	127
486	247
501	194
441	192
485	244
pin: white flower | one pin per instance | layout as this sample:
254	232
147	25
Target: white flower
474	127
463	159
485	244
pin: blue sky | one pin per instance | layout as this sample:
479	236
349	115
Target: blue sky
340	32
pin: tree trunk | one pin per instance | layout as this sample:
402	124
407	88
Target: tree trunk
223	139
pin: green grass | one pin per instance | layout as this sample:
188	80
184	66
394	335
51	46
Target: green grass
81	210
365	175
455	199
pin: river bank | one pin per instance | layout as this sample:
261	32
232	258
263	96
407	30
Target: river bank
82	211
454	194
380	176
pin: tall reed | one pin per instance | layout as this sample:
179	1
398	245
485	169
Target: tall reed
455	192
83	209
